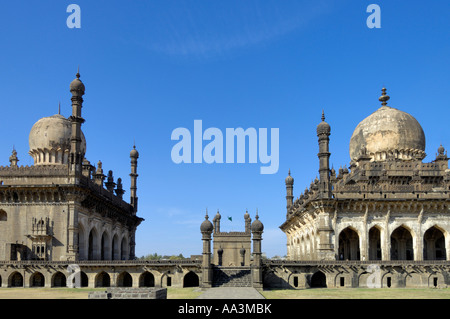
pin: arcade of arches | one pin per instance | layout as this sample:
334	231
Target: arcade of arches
89	278
400	246
352	243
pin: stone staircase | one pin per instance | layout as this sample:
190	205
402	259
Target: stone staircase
232	277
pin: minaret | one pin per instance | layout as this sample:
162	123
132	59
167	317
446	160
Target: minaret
76	157
216	221
289	181
257	230
206	228
134	155
323	133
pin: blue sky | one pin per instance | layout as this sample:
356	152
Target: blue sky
150	67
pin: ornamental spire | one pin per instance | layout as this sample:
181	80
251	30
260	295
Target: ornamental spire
384	97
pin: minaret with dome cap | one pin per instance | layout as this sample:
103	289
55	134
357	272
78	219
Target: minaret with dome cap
134	155
323	133
76	156
206	228
289	181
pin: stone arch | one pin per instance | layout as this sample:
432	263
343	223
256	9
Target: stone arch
102	279
105	246
93	244
318	280
436	280
58	280
191	280
375	251
146	279
84	279
349	244
124	253
307	252
124	279
82	242
402	244
434	244
15	279
115	247
3	216
37	280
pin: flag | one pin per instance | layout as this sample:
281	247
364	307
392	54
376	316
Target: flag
230	218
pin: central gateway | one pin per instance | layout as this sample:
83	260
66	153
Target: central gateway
233	263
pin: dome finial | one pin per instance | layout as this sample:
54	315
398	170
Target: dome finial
59	108
78	72
323	116
384	97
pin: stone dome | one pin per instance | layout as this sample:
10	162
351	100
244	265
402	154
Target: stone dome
323	127
388	133
257	226
76	86
289	179
134	153
206	226
49	140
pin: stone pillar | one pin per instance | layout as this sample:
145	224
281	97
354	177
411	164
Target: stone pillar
326	249
257	230
386	243
72	229
206	229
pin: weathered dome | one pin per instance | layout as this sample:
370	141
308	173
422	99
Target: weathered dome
323	127
76	86
289	179
206	226
257	226
134	153
49	140
388	133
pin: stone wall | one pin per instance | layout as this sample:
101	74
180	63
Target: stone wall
130	293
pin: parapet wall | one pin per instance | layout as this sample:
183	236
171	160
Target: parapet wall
129	293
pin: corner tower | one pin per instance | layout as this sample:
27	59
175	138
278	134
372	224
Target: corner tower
76	155
323	133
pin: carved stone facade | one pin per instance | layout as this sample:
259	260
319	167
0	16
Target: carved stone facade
58	208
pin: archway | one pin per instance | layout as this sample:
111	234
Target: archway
15	280
92	245
318	280
147	280
115	254
59	280
124	249
84	279
374	244
103	280
105	248
349	245
401	244
190	280
124	280
434	244
3	215
82	242
37	280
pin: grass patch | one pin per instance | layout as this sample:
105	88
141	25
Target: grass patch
358	293
82	293
183	293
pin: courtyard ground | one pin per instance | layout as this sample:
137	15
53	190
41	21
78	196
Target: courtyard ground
192	293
